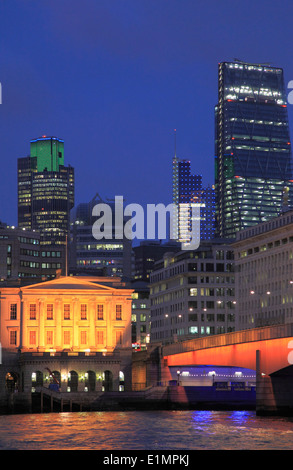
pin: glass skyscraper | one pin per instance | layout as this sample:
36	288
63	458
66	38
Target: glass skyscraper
187	189
253	165
46	196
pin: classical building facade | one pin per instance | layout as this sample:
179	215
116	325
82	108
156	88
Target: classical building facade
73	331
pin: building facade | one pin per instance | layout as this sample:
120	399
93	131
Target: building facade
147	253
188	190
75	331
46	194
192	293
19	253
264	273
253	164
106	256
141	315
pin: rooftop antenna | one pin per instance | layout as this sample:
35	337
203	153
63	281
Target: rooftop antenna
175	156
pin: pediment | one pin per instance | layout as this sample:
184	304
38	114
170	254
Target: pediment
69	283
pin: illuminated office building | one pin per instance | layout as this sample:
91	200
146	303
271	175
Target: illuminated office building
104	257
253	166
46	193
192	293
188	189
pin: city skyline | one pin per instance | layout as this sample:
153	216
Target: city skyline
114	101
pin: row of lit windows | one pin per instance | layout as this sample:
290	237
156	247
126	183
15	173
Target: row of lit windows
67	338
66	312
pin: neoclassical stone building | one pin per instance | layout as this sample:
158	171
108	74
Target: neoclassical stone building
72	331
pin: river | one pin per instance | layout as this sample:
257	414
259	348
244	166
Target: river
146	430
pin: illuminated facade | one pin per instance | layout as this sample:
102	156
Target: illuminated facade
187	189
264	273
140	315
67	324
252	147
46	193
192	293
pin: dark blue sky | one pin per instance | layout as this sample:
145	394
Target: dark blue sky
113	78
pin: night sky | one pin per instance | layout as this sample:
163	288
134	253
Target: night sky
114	78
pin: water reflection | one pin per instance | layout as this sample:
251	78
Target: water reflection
155	430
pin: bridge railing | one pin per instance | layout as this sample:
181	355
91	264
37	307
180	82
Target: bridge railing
227	339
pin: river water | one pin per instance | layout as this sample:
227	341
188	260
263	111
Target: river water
146	430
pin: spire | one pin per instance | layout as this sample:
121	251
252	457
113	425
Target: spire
175	156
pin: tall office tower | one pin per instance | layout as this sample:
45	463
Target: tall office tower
253	167
187	189
46	194
104	257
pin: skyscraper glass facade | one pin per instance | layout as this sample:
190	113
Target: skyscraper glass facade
253	165
187	189
46	194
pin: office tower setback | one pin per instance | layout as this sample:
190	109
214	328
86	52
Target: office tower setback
46	192
253	168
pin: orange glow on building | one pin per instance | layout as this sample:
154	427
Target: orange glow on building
66	314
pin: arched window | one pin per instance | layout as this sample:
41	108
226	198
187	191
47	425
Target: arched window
72	381
90	381
107	381
11	381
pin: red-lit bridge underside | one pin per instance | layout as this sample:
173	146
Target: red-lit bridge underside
237	349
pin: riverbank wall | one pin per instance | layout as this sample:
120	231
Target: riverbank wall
156	397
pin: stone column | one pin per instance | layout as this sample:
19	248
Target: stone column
92	329
58	323
41	339
109	306
25	313
75	339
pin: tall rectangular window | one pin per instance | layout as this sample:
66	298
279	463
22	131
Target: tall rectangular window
66	311
49	338
118	312
32	338
49	311
66	337
100	312
12	338
100	337
83	338
118	337
83	311
13	311
33	311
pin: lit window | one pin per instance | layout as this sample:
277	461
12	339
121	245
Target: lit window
100	337
83	337
83	311
118	312
32	338
49	338
33	311
66	311
13	311
12	338
118	337
66	337
100	312
49	311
